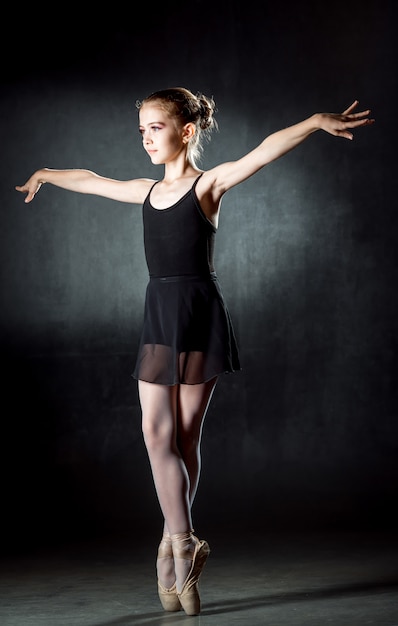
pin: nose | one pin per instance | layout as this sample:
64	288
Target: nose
146	137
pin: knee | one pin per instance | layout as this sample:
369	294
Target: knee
156	436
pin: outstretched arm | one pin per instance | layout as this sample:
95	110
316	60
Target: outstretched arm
85	181
279	143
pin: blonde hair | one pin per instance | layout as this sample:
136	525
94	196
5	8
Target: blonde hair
187	107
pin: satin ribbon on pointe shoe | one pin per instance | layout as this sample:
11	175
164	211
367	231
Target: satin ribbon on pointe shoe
189	597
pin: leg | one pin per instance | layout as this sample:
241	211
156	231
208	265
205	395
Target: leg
192	404
172	423
159	408
189	553
159	426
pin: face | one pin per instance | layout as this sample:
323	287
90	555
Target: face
161	138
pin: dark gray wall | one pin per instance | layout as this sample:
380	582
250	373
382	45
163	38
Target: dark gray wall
306	434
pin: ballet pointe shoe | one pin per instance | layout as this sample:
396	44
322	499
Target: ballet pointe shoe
189	597
168	597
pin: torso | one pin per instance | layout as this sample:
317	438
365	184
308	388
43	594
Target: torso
178	239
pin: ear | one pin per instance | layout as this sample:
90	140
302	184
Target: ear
188	132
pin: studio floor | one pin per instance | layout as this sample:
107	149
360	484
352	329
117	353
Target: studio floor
270	578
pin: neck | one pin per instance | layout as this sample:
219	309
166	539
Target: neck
174	171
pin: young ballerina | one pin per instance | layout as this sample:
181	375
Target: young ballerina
187	338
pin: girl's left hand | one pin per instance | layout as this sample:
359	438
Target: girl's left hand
337	124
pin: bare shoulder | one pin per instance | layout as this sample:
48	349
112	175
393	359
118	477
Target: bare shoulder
207	184
209	195
216	181
138	188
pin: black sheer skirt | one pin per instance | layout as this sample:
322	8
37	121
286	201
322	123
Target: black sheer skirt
187	335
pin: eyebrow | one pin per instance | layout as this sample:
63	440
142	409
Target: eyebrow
151	123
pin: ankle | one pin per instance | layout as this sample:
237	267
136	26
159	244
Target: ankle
165	547
183	545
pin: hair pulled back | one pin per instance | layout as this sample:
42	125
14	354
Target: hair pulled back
187	107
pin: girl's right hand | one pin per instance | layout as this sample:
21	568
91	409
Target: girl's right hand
31	187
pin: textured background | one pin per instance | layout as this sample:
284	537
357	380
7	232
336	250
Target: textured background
306	254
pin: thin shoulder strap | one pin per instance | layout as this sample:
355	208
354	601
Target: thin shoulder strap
196	180
149	192
155	183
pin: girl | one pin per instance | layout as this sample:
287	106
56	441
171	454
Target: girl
187	339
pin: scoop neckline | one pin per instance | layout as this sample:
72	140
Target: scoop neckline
167	208
191	189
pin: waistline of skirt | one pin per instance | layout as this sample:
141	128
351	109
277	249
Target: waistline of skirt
183	278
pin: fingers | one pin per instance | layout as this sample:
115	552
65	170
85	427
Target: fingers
24	189
344	132
346	135
358	115
354	120
351	107
362	122
30	194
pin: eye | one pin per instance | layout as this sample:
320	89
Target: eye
155	128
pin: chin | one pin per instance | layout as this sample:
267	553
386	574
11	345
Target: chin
155	159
